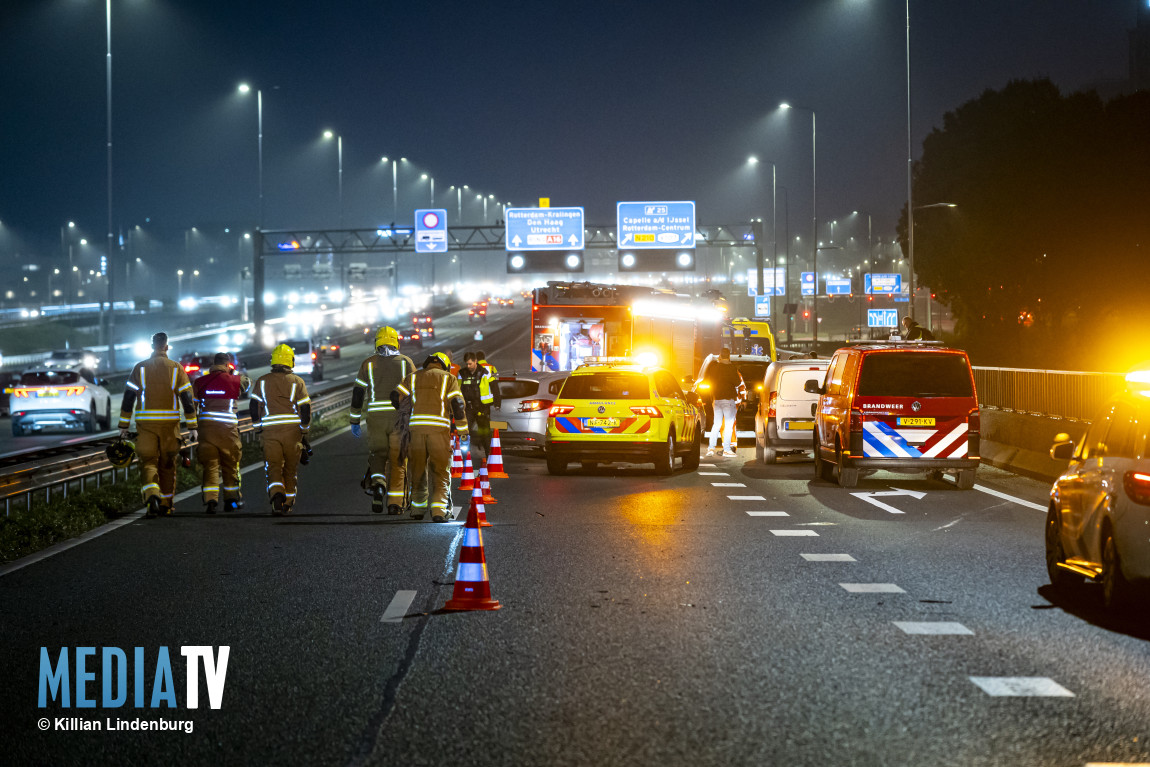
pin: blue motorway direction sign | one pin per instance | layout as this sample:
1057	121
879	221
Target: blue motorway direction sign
655	224
762	306
544	229
808	283
882	318
885	284
774	282
838	286
431	231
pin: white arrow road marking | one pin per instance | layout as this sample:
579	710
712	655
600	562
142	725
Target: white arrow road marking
871	498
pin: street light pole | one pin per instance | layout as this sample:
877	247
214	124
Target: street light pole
814	219
909	171
329	134
109	285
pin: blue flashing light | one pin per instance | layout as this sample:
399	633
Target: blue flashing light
293	245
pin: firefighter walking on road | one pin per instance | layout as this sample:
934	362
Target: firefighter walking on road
380	374
219	450
480	391
156	390
436	399
281	413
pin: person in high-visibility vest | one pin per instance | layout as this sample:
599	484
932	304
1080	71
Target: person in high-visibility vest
435	400
481	357
220	447
380	374
155	391
281	412
480	391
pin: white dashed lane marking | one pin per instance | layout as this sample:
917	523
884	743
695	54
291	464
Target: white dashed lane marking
398	607
768	514
713	474
794	533
745	498
872	588
1021	686
933	627
828	558
1011	498
727	484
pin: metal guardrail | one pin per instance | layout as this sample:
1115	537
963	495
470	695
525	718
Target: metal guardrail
1052	393
56	477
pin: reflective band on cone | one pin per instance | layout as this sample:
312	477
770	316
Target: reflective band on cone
472	588
495	461
457	460
478	505
485	486
468	473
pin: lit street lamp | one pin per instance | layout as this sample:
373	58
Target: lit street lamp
179	285
327	134
245	88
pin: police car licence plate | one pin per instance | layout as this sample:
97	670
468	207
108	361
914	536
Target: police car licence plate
916	422
601	423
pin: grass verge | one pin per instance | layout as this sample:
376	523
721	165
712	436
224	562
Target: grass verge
25	532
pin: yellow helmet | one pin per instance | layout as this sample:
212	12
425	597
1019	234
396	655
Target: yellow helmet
386	336
283	355
443	359
120	453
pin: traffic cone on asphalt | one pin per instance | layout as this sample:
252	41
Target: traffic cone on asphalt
468	474
472	589
456	460
478	505
485	486
495	460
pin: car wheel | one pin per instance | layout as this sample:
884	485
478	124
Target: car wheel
1116	590
770	455
17	431
90	422
846	477
965	479
106	421
760	439
691	459
665	457
317	375
1059	577
556	466
821	468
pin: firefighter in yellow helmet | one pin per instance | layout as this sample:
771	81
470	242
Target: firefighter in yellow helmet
435	400
380	374
154	392
281	412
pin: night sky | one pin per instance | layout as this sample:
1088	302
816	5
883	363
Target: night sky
586	103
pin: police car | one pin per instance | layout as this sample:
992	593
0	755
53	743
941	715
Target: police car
1099	508
620	409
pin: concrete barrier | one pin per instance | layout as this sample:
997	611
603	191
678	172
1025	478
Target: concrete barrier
1020	443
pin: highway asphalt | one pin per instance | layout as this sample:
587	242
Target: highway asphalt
740	614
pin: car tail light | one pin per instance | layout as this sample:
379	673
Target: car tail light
704	387
72	391
533	405
1137	485
559	410
856	420
974	419
648	410
313	356
191	368
19	413
771	402
335	347
21	393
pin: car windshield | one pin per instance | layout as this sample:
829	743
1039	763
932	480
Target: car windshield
517	388
607	386
299	347
63	355
50	378
915	374
752	372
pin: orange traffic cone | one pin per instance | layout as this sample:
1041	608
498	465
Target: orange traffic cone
495	460
472	589
456	461
485	486
477	504
468	474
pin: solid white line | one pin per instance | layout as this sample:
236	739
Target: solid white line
397	608
96	532
794	533
745	498
713	474
767	514
1019	501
